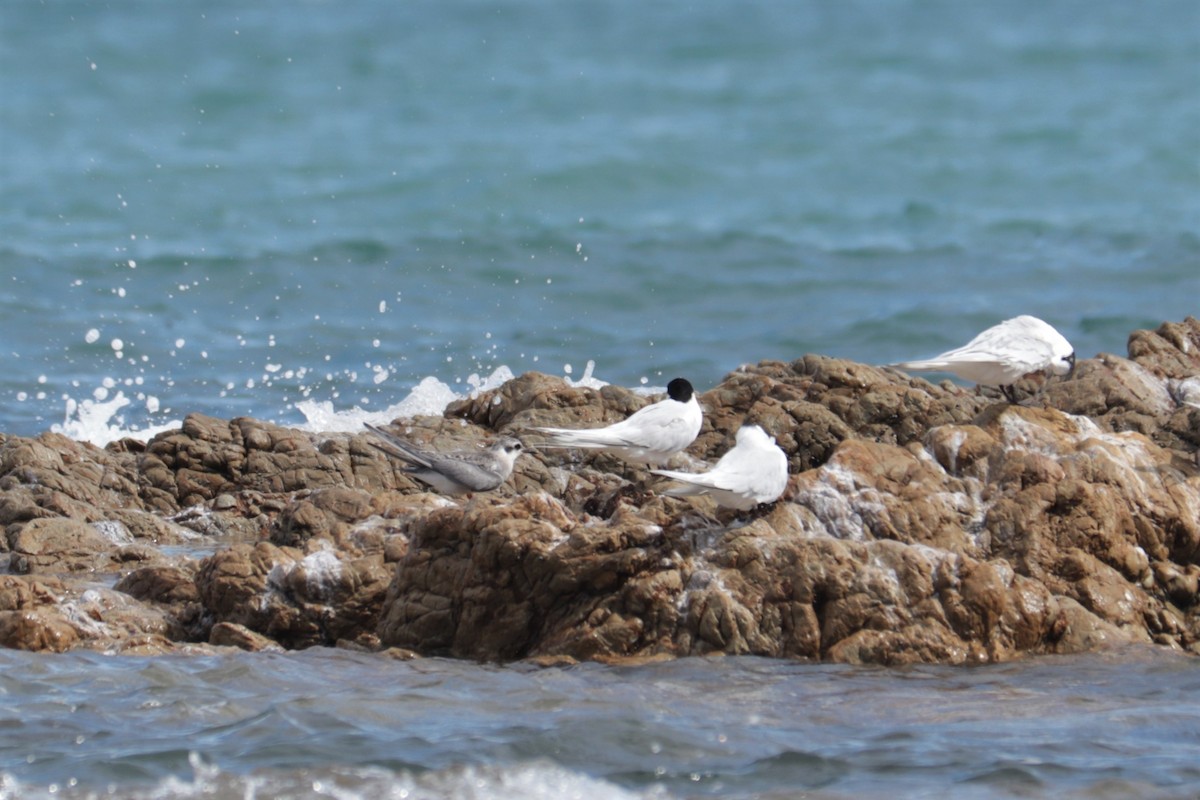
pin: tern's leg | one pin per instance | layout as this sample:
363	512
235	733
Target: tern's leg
1010	392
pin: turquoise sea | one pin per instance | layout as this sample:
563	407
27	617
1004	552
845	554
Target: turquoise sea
232	207
309	211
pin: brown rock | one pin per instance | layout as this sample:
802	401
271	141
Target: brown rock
325	513
921	523
160	584
38	630
1173	350
298	599
58	545
1081	631
229	634
976	519
534	399
51	614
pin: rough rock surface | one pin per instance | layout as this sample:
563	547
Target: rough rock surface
922	523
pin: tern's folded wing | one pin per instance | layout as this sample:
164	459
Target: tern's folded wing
660	427
585	437
474	476
403	449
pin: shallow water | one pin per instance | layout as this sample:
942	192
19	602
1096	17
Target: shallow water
238	208
363	725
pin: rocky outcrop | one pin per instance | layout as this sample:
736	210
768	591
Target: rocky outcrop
921	523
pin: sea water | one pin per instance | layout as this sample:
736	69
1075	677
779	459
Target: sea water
319	213
330	723
238	208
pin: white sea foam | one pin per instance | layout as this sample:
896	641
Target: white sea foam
529	780
429	398
101	419
586	380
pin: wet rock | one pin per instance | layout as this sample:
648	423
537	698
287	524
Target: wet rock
209	458
77	475
322	513
921	523
1079	630
37	630
298	599
123	525
230	634
241	523
57	615
1148	392
967	529
57	545
169	585
29	618
502	619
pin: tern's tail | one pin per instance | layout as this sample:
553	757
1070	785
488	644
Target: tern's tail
931	365
689	483
586	438
399	447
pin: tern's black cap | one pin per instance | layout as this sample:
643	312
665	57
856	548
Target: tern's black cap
679	389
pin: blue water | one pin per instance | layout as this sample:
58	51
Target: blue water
1119	725
277	201
236	207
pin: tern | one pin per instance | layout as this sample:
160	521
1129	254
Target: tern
755	471
1003	354
459	472
649	436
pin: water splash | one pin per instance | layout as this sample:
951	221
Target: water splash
102	421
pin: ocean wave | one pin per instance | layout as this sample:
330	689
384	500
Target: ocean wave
531	780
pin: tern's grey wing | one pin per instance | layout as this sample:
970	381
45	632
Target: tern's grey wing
405	450
475	473
484	459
